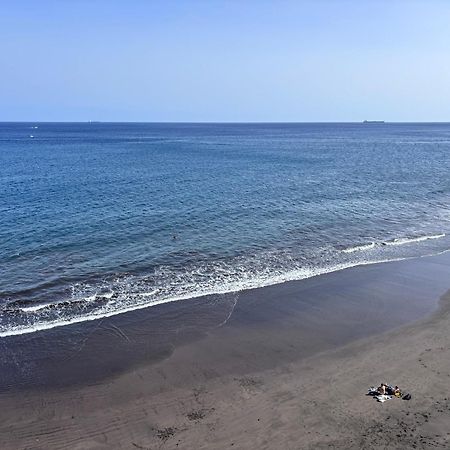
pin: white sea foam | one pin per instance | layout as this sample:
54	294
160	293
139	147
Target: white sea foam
397	241
149	294
166	284
34	308
411	240
359	248
246	282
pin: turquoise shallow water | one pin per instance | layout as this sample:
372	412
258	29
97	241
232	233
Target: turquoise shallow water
97	219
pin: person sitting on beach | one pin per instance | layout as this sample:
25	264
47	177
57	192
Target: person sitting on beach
382	389
397	391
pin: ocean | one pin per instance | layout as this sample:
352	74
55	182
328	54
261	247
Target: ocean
97	219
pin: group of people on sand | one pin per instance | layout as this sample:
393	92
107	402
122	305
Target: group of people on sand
385	392
386	389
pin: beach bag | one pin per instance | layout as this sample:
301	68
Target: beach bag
407	397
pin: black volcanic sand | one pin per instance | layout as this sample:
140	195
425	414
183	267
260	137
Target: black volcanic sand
283	367
241	332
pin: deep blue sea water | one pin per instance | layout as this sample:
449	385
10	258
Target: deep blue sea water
98	218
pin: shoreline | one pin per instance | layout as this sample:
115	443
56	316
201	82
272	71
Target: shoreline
279	280
271	368
310	305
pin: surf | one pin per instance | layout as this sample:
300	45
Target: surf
132	293
393	242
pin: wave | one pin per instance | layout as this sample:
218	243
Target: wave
169	284
411	240
97	298
35	307
237	286
359	248
393	242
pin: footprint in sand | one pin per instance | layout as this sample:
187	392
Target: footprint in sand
196	416
166	433
249	383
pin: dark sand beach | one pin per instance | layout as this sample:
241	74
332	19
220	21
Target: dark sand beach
285	367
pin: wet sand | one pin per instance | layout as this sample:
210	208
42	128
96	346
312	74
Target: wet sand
283	367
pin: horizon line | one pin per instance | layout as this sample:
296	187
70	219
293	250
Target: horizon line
94	122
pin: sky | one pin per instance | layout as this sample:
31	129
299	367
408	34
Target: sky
225	61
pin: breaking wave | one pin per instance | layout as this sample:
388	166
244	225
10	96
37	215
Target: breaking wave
124	293
411	240
393	242
359	248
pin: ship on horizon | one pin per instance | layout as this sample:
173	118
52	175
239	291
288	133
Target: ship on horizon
373	121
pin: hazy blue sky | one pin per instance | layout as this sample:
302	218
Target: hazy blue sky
322	60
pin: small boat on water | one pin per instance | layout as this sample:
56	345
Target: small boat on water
373	121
